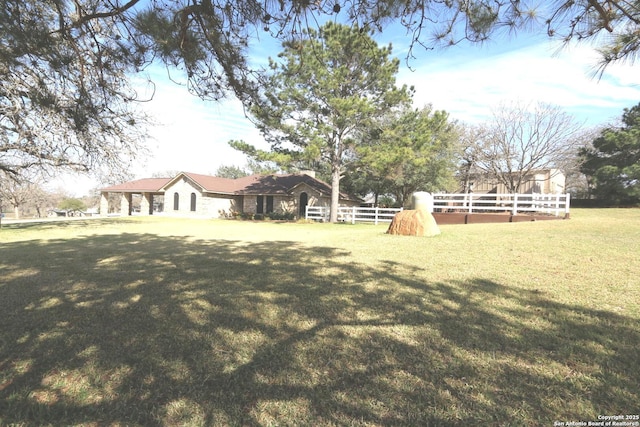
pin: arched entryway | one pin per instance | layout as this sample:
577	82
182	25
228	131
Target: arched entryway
302	206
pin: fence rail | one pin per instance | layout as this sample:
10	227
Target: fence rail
551	204
353	214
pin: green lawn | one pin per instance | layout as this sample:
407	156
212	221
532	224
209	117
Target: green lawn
158	321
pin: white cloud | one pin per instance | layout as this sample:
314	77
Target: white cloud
192	135
469	88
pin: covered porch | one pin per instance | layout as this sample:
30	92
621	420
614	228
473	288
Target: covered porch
128	203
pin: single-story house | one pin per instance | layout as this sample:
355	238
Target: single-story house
215	197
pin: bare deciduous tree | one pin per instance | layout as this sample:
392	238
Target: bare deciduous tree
522	138
471	146
16	192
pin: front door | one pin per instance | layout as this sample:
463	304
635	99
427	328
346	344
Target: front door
260	204
302	206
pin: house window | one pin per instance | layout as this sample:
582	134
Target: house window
269	204
260	204
176	201
193	202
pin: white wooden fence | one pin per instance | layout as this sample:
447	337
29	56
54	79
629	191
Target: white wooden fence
551	204
353	214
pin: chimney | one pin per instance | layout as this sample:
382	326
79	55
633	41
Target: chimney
312	174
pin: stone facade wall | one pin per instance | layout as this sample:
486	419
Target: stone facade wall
249	204
219	206
314	198
146	204
281	204
284	204
125	204
183	188
104	203
207	205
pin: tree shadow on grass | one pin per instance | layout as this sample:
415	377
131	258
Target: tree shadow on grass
44	224
137	329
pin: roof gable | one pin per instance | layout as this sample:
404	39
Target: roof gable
207	183
285	183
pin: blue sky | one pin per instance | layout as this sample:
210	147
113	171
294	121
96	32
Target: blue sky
466	81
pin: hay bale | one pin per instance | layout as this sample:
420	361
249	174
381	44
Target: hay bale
417	222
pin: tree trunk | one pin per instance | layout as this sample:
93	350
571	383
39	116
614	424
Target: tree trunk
335	194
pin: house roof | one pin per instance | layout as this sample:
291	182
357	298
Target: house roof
145	184
208	183
279	184
276	184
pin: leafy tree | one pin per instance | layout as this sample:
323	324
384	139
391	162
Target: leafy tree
613	163
232	172
72	204
522	138
260	162
411	151
323	93
360	182
253	168
278	161
472	142
262	168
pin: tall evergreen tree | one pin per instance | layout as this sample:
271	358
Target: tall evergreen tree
613	163
324	91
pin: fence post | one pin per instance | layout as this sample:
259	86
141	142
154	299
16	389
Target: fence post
375	216
306	212
514	210
470	202
353	215
566	205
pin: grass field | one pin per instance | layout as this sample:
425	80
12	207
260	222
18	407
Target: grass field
159	321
